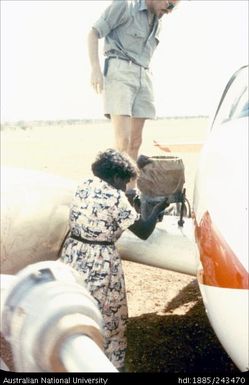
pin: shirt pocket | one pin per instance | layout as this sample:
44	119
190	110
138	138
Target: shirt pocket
135	40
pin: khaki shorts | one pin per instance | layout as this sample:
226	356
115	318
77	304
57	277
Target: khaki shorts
128	90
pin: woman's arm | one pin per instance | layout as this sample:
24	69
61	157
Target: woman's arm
144	228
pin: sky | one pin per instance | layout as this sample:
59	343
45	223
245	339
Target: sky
45	70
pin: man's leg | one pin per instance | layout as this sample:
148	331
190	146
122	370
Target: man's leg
135	137
128	136
135	141
122	127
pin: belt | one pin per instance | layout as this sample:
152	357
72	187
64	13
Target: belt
89	241
126	59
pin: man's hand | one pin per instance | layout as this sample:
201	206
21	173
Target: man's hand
97	80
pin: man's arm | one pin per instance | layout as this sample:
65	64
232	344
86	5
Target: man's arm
93	52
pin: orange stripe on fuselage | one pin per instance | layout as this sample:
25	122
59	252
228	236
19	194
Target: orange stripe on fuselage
221	267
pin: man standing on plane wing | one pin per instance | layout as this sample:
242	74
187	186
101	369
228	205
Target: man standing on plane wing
131	31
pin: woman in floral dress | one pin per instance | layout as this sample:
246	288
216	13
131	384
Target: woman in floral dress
99	213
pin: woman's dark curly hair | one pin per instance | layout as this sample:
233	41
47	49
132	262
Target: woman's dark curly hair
112	163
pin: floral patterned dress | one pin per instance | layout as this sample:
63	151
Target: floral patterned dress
100	212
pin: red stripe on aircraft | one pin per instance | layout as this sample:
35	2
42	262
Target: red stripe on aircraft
221	267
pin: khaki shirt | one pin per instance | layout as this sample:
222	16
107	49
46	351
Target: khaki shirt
125	27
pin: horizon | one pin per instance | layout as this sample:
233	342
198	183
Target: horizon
90	120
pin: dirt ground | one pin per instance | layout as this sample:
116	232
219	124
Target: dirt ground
168	330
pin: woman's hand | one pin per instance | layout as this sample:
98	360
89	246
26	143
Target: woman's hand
142	161
144	227
162	205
